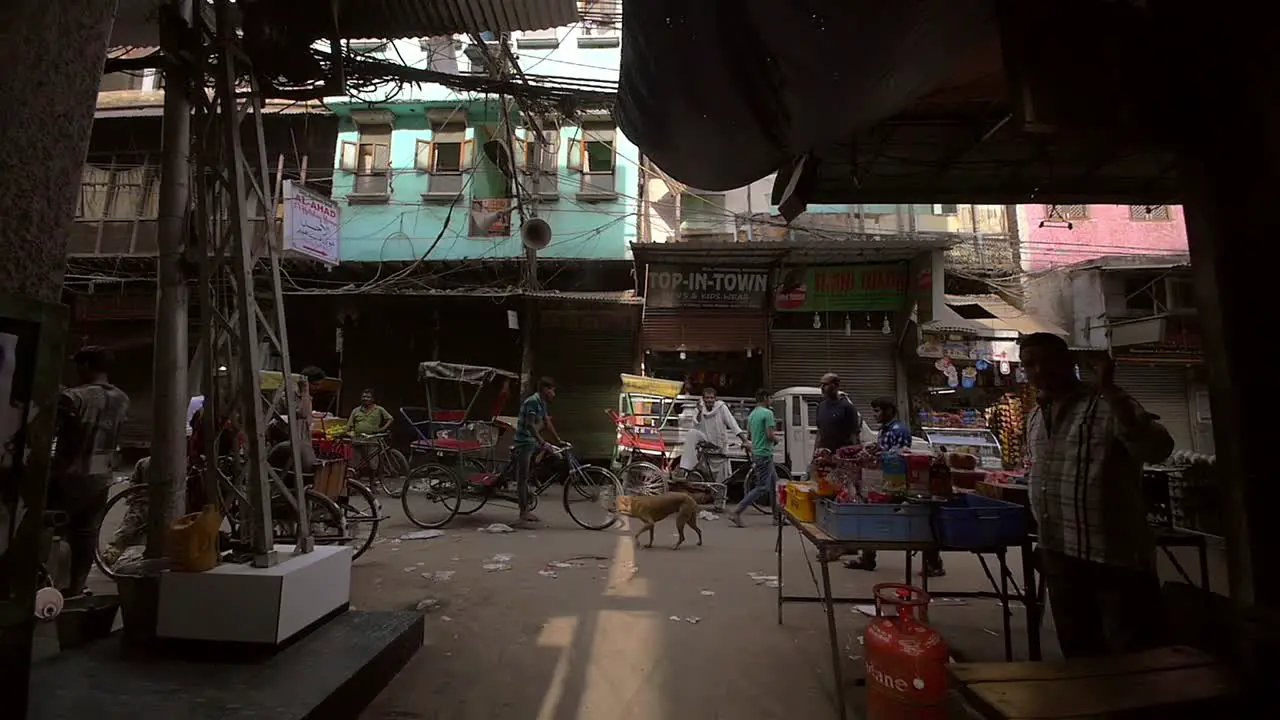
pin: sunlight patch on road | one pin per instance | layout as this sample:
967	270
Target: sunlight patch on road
624	672
624	580
557	633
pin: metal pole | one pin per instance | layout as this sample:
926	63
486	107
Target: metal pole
167	485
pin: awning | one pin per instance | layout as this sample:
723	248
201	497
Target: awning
392	19
987	316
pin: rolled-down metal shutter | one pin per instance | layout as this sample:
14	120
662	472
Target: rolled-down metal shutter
864	360
1162	390
704	330
585	365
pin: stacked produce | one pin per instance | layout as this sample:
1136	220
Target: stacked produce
842	471
1006	418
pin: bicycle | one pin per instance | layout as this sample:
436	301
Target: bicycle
326	518
385	465
442	487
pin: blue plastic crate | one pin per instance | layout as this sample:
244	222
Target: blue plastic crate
977	522
874	522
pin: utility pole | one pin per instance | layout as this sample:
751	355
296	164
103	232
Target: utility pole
167	485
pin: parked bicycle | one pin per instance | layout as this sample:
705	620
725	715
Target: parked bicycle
383	466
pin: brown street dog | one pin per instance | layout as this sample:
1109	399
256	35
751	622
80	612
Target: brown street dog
653	509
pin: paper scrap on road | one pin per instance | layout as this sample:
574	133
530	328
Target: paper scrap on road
427	605
549	573
502	558
423	535
496	528
707	515
674	618
693	620
439	576
560	564
586	557
496	567
708	593
762	579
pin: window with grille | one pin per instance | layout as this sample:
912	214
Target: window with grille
540	163
1066	212
601	24
119	191
369	160
445	159
593	155
702	213
1150	212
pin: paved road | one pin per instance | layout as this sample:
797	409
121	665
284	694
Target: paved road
583	626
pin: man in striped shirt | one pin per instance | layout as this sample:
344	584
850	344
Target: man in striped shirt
1088	444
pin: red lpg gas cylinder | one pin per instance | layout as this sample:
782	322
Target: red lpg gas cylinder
906	659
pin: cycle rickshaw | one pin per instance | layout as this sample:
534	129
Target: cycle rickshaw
455	467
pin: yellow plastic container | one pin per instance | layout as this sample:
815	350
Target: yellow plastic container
800	501
193	541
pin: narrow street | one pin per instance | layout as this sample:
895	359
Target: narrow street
583	626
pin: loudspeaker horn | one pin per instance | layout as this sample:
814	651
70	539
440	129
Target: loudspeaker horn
535	233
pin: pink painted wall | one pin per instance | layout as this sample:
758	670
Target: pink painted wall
1107	231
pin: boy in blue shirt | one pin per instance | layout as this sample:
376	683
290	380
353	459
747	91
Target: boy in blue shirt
532	427
761	428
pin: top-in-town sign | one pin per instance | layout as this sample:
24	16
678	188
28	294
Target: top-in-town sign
691	286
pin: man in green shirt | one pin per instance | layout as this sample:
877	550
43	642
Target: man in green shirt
367	419
762	428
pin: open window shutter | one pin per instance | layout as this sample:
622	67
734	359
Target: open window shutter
381	158
467	148
422	156
350	155
577	154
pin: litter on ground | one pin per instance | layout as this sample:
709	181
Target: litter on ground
707	515
549	573
496	528
439	576
708	593
496	567
423	535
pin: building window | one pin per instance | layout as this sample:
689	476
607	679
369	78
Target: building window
1066	212
946	209
601	23
593	154
701	213
534	39
125	191
540	164
1150	212
445	159
369	159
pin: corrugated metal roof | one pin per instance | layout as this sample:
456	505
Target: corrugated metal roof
392	19
1008	319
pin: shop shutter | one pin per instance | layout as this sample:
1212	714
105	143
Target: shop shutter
585	364
1162	390
864	360
704	330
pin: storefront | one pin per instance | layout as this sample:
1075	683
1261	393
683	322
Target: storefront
706	326
839	319
1164	389
585	346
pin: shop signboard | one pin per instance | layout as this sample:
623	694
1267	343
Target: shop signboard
881	287
965	348
311	225
693	286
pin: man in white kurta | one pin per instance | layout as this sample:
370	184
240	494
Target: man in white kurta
714	424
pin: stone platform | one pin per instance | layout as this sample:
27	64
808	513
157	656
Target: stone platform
331	673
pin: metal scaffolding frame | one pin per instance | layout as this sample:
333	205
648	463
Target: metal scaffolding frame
242	313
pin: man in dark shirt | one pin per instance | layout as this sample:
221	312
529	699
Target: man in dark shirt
839	423
89	419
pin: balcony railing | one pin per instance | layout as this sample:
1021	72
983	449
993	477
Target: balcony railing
991	252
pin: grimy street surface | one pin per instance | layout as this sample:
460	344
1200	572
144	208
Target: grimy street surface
561	623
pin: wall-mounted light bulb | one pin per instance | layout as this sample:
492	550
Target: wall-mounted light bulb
748	352
886	329
817	322
848	326
868	319
683	355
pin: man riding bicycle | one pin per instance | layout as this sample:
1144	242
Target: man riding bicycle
367	419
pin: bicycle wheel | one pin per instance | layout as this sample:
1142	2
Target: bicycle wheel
643	478
393	473
327	520
474	496
126	518
591	496
363	514
432	496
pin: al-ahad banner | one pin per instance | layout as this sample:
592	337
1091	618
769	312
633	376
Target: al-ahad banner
843	288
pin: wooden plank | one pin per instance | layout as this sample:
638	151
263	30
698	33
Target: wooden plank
1102	696
1168	658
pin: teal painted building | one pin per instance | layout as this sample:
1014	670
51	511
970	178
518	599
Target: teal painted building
413	179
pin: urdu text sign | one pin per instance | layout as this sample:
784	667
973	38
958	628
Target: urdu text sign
311	224
691	286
